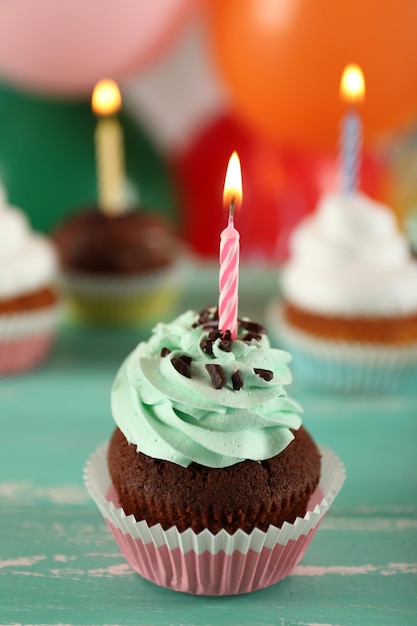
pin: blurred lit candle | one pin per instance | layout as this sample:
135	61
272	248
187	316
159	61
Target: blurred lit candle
106	102
229	250
352	91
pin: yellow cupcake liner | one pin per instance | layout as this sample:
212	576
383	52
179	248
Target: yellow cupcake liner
118	310
124	300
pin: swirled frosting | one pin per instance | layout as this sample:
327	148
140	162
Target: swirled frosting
349	258
181	417
27	259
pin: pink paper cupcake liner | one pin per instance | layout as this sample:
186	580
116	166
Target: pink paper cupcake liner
207	564
26	339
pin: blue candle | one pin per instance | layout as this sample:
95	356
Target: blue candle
352	89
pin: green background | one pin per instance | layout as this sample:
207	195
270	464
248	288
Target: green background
47	162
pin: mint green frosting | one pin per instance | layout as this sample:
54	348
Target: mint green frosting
179	419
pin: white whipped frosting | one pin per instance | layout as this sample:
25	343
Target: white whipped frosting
349	258
27	259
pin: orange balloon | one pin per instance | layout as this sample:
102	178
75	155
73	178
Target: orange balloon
283	60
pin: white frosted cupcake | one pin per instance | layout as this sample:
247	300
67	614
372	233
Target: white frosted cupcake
210	484
28	300
349	308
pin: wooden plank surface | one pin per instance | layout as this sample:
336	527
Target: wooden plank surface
60	565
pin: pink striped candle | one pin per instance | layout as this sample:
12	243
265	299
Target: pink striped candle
229	250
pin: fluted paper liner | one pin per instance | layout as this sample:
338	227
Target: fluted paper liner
205	563
343	365
26	338
123	286
125	299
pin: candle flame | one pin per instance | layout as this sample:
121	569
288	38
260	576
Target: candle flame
352	84
106	98
233	183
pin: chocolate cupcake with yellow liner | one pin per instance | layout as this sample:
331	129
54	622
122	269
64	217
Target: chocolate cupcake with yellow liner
120	264
126	268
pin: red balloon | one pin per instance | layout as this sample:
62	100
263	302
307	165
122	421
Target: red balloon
64	48
280	186
283	60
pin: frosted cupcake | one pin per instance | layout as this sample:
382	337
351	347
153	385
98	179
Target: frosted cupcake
28	299
210	483
411	231
126	268
349	310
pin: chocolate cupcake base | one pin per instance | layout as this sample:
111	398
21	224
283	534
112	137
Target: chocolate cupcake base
248	495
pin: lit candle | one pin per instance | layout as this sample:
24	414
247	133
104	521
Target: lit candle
106	101
352	90
229	250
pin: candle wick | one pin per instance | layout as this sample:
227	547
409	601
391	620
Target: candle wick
232	209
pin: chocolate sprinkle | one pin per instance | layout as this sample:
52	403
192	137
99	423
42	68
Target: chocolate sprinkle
208	315
253	327
237	380
207	346
210	325
217	375
165	351
226	345
215	334
265	374
181	366
252	335
186	358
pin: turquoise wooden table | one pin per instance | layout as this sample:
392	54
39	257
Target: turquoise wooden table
60	565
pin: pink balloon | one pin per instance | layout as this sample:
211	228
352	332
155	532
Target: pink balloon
64	48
